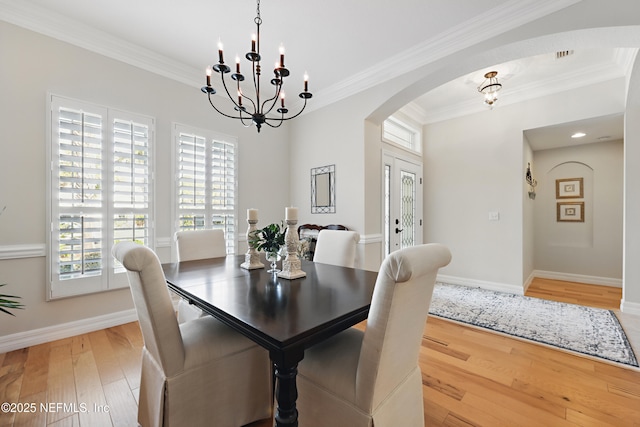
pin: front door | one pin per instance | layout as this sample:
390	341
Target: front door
402	197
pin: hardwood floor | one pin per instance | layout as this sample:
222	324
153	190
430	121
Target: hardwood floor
471	377
576	293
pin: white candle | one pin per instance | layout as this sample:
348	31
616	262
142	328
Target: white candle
291	214
252	214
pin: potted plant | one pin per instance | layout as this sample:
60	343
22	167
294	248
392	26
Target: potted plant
269	240
6	303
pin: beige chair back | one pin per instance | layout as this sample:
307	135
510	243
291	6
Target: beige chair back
200	244
337	247
158	322
395	326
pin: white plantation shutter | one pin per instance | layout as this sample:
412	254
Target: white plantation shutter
223	189
131	207
192	181
100	193
206	188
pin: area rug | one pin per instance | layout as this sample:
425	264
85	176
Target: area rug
591	331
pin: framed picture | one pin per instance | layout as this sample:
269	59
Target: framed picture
570	188
570	212
323	189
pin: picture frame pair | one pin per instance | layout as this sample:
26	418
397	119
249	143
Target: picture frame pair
570	211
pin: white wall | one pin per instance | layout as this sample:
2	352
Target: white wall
528	231
593	247
32	66
631	266
469	173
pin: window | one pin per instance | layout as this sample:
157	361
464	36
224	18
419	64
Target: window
402	132
100	193
206	187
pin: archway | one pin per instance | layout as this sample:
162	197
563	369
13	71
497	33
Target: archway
457	65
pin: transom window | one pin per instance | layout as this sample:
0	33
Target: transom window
403	133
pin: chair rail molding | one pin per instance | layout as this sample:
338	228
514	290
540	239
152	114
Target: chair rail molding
34	250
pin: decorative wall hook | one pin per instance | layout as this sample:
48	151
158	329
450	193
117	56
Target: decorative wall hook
532	182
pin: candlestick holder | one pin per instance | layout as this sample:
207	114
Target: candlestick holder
251	258
291	264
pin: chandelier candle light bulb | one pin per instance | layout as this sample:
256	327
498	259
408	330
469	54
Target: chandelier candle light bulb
220	49
281	56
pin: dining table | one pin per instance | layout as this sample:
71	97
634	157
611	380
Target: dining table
283	316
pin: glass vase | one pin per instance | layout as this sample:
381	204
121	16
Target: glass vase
273	258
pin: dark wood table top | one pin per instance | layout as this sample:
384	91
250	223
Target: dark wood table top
279	314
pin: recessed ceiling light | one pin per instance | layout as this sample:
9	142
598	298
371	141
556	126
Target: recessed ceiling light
578	135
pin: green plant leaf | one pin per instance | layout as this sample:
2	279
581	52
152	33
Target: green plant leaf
7	303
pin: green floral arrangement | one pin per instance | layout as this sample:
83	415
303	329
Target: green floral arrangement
268	239
7	303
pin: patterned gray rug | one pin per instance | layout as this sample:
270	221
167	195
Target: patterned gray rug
592	331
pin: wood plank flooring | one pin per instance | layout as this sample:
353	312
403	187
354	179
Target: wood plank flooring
471	377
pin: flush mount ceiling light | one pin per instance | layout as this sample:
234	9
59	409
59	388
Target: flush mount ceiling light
578	135
259	108
490	87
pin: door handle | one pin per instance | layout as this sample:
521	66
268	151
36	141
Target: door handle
398	230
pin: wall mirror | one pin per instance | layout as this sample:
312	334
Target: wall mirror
323	195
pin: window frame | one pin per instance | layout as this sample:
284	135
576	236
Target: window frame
209	136
111	274
409	126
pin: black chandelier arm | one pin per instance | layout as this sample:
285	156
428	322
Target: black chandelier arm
280	121
242	119
292	117
216	108
274	99
226	89
253	104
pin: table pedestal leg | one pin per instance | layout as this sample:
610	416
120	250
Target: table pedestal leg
286	396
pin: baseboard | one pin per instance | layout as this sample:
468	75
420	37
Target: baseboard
630	307
527	282
579	278
493	286
65	330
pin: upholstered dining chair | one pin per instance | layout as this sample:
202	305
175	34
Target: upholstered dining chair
337	247
372	378
199	373
194	245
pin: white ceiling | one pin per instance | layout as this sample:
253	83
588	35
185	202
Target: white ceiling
345	46
596	129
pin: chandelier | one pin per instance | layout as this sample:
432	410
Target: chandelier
490	88
255	110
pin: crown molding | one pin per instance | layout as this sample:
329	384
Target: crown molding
40	20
